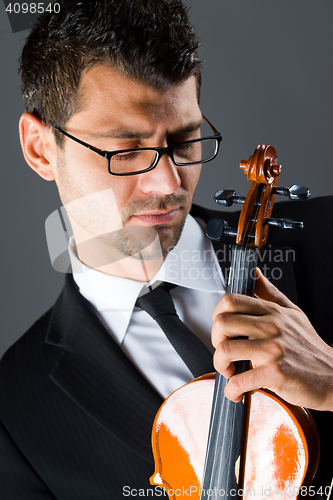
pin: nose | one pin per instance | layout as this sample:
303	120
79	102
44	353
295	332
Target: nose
163	179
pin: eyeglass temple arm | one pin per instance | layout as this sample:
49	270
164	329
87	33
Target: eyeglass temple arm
216	132
105	153
98	151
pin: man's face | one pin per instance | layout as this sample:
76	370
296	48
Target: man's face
118	113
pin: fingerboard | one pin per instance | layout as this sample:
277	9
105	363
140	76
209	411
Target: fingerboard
220	480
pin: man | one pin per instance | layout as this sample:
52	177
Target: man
80	390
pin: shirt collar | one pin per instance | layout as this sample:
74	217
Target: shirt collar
191	264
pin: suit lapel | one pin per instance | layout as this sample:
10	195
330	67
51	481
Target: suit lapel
94	372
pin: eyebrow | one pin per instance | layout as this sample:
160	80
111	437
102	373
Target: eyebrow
124	133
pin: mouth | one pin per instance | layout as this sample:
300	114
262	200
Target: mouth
157	217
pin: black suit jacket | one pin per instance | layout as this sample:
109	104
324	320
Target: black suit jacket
76	415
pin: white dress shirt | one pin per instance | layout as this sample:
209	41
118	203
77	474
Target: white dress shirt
193	266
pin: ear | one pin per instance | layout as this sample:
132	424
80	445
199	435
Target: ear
38	146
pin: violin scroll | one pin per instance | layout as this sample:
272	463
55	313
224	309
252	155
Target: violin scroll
262	166
263	169
260	444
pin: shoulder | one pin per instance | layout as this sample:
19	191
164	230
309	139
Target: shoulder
26	365
49	331
25	383
24	357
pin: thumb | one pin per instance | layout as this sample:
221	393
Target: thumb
265	290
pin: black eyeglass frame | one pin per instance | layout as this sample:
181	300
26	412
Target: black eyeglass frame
160	151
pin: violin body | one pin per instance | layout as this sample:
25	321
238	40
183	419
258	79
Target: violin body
279	452
208	447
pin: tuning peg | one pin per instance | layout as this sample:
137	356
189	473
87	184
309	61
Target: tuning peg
284	223
294	192
227	197
217	228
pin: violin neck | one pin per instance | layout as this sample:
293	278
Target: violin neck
225	433
242	280
243	270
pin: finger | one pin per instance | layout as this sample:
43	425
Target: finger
265	290
226	369
241	304
259	352
227	326
251	380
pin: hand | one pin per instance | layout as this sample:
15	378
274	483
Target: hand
288	356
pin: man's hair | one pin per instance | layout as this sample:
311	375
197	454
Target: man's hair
150	41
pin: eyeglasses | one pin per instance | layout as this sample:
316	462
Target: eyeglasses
141	160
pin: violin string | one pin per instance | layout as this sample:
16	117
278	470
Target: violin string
228	405
236	279
227	455
238	285
229	451
219	443
213	420
216	478
222	433
245	241
237	265
212	481
250	230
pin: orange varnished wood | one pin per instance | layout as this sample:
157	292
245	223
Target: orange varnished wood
280	447
179	437
280	443
263	169
278	450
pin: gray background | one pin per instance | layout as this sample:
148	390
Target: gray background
267	78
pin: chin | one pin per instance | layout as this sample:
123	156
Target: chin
169	237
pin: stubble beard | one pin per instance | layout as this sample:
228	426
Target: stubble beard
148	242
139	242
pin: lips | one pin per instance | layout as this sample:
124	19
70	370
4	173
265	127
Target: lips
157	217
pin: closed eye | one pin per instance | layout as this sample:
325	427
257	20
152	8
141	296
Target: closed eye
126	156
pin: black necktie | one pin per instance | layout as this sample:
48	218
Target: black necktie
159	305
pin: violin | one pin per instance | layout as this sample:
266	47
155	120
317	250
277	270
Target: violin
208	447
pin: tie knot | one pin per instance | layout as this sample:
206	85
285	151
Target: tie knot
157	302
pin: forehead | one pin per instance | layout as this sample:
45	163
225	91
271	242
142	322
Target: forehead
106	95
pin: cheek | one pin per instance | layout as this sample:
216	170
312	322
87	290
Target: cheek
79	176
123	190
190	177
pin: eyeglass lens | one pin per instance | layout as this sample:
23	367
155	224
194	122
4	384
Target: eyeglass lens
185	154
